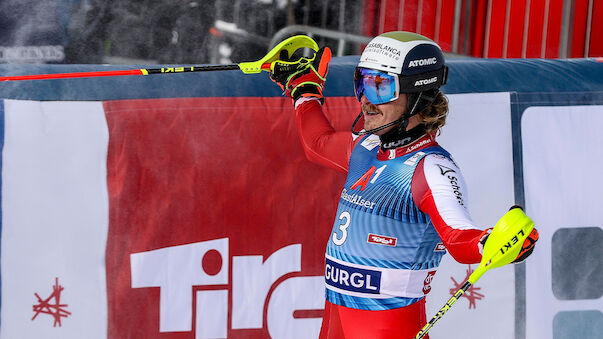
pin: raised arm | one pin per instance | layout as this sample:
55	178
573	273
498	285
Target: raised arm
303	80
321	143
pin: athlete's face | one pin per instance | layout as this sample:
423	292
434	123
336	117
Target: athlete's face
379	115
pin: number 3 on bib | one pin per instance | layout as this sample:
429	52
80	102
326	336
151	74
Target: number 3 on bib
345	219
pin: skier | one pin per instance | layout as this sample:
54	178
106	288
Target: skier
403	204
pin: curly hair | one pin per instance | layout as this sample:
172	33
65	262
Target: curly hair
434	117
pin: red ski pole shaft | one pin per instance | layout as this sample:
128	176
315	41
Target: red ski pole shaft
141	71
290	45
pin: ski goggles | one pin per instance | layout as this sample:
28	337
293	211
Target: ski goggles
377	86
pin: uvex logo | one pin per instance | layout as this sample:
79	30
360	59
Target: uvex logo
382	240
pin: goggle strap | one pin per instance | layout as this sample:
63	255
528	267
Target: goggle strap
372	131
354	125
411	111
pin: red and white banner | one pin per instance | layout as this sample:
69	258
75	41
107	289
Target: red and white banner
202	218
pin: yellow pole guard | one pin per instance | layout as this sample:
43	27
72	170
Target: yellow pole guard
504	242
291	45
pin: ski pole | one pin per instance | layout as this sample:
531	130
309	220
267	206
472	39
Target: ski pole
290	45
501	248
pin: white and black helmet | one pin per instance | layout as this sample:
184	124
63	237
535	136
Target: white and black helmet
413	63
418	60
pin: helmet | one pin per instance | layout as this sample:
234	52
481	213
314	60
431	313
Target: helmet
406	63
416	59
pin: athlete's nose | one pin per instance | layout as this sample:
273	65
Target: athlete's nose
364	100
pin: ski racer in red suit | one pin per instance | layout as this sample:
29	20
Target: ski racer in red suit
403	204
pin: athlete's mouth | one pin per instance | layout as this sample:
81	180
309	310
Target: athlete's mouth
370	110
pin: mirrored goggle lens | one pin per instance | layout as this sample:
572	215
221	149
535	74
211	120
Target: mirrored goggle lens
378	87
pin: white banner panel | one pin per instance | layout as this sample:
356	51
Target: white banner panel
54	220
562	159
478	135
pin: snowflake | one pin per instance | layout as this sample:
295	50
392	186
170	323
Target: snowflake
55	309
471	294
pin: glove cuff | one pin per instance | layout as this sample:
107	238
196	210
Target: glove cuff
482	240
307	89
303	100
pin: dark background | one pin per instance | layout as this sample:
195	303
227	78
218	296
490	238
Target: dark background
164	31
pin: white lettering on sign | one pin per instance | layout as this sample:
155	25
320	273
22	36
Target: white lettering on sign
35	54
252	278
176	271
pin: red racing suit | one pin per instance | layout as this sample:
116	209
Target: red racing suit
400	211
